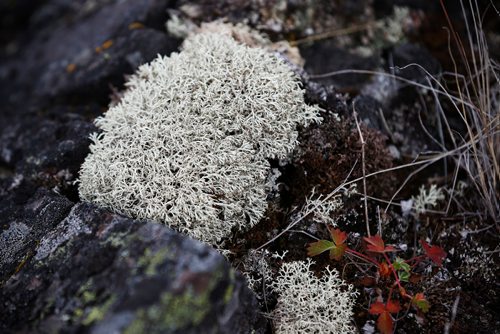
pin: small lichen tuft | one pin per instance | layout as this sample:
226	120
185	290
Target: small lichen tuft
307	304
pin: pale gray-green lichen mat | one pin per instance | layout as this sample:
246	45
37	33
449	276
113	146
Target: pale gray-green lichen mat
188	143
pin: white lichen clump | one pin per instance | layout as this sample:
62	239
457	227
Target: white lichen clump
320	209
188	143
307	304
427	199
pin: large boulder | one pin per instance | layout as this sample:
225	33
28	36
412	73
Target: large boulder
76	268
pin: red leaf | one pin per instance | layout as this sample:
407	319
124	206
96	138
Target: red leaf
384	323
435	253
339	239
377	308
338	236
420	302
318	247
376	245
392	306
384	270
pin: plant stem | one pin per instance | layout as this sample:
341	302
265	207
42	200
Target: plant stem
362	256
393	272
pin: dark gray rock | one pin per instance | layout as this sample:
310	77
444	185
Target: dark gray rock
48	148
96	71
56	57
324	56
370	111
406	54
26	214
92	271
14	15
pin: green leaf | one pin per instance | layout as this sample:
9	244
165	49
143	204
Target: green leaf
319	247
402	268
420	302
400	264
404	276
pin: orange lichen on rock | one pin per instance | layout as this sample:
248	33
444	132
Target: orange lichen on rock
70	68
106	45
135	25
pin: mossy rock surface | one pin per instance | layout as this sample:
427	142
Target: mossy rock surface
98	272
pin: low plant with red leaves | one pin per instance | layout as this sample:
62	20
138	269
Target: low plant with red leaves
336	247
376	245
385	322
392	271
435	253
420	302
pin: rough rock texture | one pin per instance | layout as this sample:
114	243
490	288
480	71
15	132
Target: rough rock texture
24	219
91	71
285	17
406	54
92	271
46	149
79	49
33	143
324	57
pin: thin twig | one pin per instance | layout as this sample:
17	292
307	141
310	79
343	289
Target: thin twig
363	167
333	33
308	212
304	232
454	309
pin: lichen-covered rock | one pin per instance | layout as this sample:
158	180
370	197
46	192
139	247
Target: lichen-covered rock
96	272
24	219
90	72
73	268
